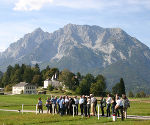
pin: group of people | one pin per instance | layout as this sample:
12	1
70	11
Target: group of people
88	104
118	105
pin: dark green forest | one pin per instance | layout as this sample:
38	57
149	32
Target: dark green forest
74	81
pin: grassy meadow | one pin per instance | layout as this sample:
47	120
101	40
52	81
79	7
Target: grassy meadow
13	118
138	107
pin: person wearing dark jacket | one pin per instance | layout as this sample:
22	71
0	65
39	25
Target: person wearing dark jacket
102	104
71	102
113	104
85	106
95	105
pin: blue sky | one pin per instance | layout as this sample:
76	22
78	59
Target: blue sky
18	17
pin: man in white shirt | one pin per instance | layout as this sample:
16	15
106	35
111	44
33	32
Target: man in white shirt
119	106
67	105
108	101
81	104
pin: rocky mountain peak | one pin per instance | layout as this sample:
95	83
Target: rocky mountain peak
38	30
82	48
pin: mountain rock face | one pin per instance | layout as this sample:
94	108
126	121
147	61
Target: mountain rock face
85	49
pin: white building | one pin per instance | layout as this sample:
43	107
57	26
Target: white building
54	83
1	89
24	88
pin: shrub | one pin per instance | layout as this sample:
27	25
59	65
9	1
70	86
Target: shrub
140	94
8	88
50	87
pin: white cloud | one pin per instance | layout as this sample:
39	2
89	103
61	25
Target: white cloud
29	5
131	5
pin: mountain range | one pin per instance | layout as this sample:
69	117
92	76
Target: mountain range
86	49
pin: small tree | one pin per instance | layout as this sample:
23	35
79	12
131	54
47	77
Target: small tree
122	86
98	88
119	88
131	94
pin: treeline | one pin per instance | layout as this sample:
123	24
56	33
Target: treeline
26	73
83	85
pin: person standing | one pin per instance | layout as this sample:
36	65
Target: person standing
71	102
61	104
85	106
40	105
67	104
113	104
108	101
58	100
102	104
95	105
117	111
48	105
126	105
119	106
93	99
88	105
55	104
76	103
81	104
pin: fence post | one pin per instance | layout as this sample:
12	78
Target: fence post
36	108
22	108
98	111
53	108
73	109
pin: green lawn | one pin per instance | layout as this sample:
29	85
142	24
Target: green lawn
12	118
15	102
138	107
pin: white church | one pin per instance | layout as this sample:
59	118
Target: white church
53	81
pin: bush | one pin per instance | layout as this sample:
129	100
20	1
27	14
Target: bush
50	87
8	88
141	94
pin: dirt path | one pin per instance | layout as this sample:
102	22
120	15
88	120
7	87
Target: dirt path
129	116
